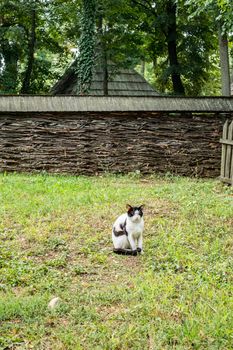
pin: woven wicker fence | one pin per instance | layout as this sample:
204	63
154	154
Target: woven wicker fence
89	143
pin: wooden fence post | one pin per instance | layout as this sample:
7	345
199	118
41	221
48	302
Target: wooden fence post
227	153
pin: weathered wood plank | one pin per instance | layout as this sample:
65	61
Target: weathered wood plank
95	104
230	139
223	157
228	152
226	180
226	142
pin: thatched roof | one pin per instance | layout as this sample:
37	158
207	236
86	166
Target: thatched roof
39	104
121	82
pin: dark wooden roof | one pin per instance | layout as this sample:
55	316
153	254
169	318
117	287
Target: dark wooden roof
123	82
113	104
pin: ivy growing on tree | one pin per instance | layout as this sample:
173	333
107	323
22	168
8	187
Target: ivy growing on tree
174	43
86	57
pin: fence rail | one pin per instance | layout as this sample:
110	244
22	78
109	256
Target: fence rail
227	153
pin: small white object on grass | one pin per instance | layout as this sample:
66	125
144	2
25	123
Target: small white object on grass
54	303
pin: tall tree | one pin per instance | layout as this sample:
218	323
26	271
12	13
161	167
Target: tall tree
171	38
11	35
221	12
224	63
176	38
182	51
103	52
85	62
161	22
36	38
117	43
31	52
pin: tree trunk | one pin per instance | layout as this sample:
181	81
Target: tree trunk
105	71
224	63
86	57
143	67
171	37
9	74
103	55
31	50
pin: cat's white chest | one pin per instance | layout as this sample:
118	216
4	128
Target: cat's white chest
135	229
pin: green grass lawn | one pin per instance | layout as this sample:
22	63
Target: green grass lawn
55	241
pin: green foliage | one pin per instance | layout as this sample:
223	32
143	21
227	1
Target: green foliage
54	36
220	10
55	238
198	47
86	56
132	31
197	42
118	36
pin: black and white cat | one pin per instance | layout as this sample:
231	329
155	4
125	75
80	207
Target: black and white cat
127	231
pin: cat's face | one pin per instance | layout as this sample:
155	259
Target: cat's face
135	213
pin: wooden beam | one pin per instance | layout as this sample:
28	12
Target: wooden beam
114	104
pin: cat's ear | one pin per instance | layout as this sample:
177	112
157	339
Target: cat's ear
128	207
142	206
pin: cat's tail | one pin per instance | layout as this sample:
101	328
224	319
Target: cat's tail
125	251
